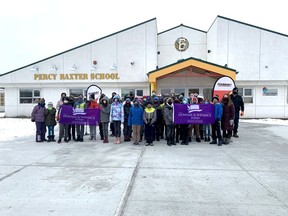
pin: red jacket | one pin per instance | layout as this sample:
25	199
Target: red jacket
94	104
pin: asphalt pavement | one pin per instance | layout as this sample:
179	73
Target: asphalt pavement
247	177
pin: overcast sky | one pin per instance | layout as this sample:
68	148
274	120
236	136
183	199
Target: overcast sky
32	30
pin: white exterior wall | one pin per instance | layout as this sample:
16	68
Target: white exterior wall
137	45
169	54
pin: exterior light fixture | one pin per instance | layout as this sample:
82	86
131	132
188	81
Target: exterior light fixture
113	67
54	68
35	68
74	68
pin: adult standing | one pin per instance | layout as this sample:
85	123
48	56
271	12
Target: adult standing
38	116
239	106
61	101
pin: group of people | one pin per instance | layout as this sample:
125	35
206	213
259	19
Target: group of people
149	118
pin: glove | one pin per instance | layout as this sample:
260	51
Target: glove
231	122
32	120
242	113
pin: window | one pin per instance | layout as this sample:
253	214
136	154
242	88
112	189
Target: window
179	91
193	91
126	91
77	92
29	96
2	99
207	93
165	92
139	93
247	94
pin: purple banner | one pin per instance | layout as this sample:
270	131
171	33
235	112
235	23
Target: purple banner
76	116
194	114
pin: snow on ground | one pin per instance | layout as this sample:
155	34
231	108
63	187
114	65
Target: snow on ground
266	121
11	128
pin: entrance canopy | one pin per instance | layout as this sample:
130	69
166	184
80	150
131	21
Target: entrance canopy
193	68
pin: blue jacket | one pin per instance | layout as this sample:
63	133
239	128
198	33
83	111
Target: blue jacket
135	116
218	112
116	112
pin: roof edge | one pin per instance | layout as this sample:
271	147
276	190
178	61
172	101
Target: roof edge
192	58
131	27
181	26
247	24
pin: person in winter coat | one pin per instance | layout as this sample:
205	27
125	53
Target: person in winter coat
71	127
93	104
149	118
50	121
117	117
135	120
216	127
184	128
228	116
61	101
159	113
80	104
239	106
195	127
38	116
63	128
127	130
104	117
168	118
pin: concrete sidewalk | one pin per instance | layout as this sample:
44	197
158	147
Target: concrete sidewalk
246	177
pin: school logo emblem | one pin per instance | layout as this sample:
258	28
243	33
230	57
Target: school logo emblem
181	44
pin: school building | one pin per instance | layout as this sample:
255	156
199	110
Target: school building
180	60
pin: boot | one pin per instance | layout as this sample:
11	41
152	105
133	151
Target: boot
213	142
49	139
190	139
78	139
168	142
53	139
59	140
220	142
118	140
227	141
177	140
173	142
198	139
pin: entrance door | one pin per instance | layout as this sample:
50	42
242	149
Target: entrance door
193	91
207	93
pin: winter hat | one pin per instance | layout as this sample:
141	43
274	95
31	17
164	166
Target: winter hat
50	104
66	100
116	97
216	98
128	99
156	99
149	102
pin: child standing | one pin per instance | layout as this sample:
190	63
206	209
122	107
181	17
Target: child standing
50	121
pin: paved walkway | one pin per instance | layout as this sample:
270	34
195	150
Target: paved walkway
247	177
